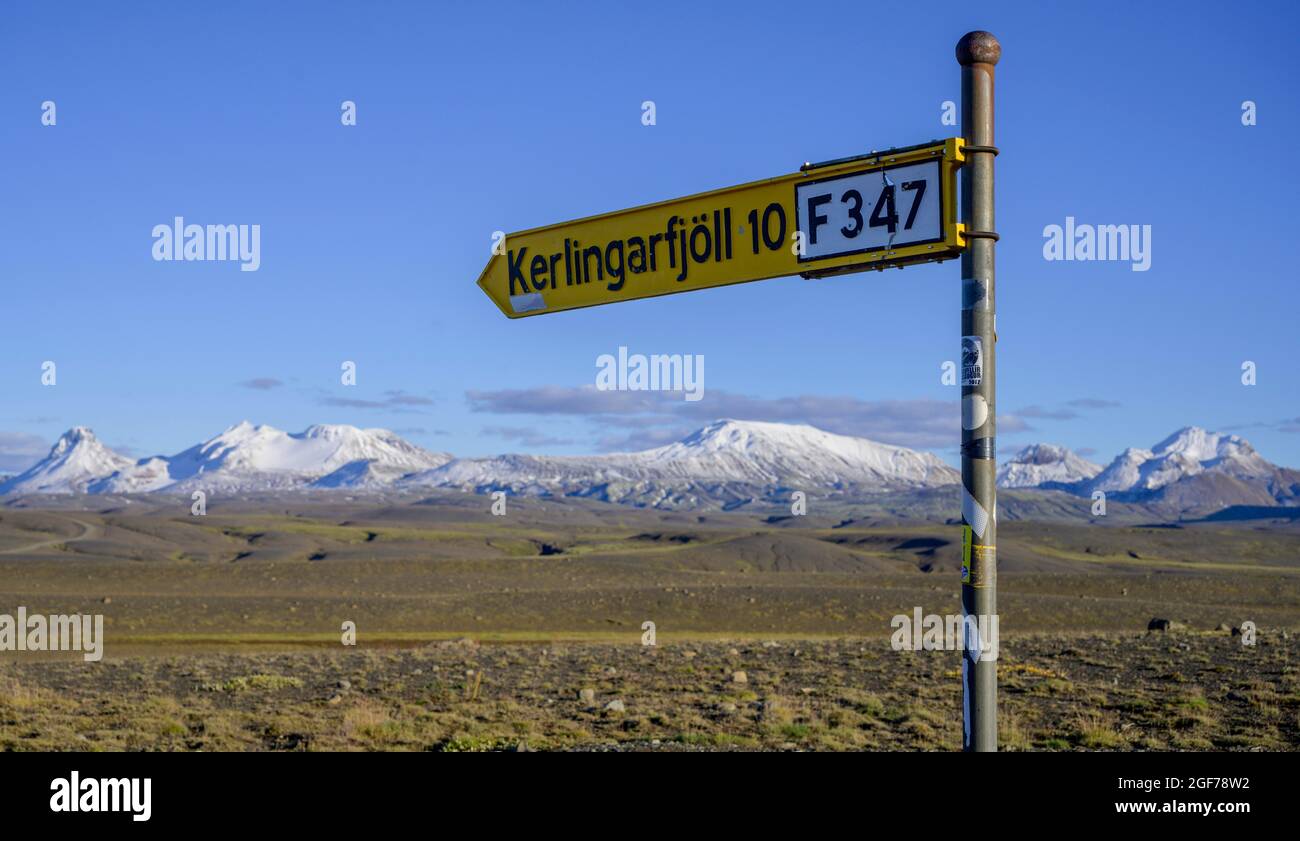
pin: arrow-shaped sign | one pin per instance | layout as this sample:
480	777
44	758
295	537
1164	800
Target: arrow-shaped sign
868	212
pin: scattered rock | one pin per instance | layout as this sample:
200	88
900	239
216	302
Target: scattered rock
615	706
334	699
587	697
739	677
106	600
463	642
727	708
1223	626
1165	625
344	684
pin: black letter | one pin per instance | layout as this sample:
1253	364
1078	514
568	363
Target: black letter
589	252
612	270
538	266
816	220
855	213
516	270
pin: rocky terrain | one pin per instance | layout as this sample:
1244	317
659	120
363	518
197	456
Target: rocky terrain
1133	691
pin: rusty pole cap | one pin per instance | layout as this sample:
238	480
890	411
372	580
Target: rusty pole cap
978	47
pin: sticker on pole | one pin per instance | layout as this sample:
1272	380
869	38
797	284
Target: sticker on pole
966	542
972	360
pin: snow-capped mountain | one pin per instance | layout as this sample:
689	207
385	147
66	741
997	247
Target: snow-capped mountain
1191	469
726	462
75	461
1188	452
243	458
1045	465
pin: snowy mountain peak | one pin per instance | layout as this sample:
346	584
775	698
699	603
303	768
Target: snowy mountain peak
242	431
78	436
727	461
1201	445
1045	464
75	461
743	436
243	458
1188	452
331	430
757	449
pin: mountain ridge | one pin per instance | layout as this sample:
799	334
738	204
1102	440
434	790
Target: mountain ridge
1192	468
726	463
241	458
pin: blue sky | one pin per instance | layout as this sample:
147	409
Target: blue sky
473	118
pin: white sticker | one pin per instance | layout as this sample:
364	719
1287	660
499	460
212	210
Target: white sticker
972	360
974	514
974	411
965	702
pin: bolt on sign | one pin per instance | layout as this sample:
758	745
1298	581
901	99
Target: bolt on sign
890	208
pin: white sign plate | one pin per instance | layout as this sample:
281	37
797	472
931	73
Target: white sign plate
870	211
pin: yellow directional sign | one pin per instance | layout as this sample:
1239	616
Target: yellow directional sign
873	211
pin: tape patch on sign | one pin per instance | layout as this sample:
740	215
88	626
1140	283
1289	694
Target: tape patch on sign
527	303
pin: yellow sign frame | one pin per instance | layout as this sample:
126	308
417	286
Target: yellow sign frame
523	279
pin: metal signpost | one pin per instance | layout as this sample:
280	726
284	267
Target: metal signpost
978	52
892	208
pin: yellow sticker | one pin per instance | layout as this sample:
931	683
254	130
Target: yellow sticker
965	554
